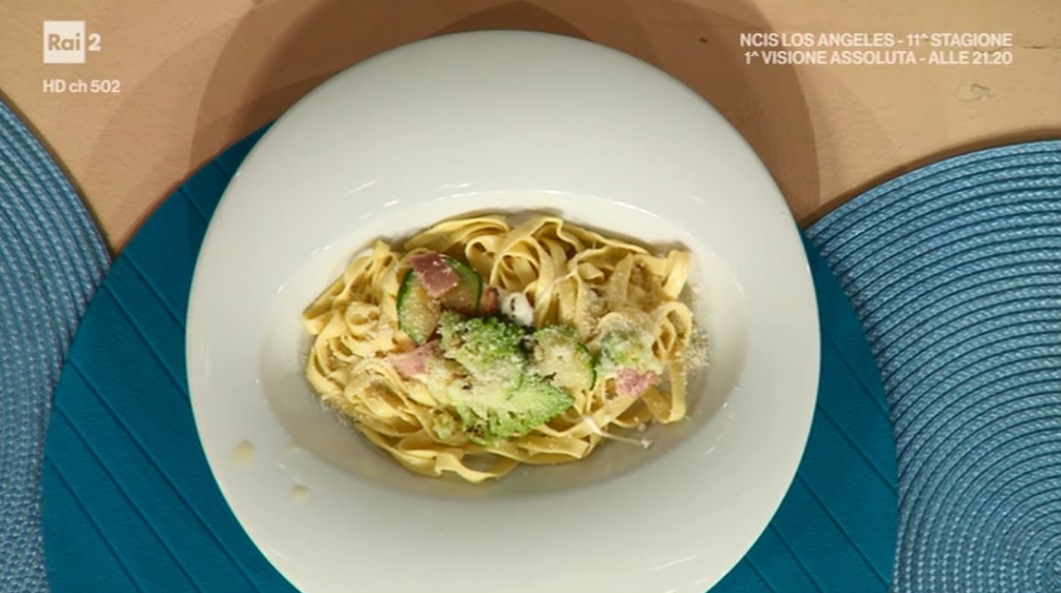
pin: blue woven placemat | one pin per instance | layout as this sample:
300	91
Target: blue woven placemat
51	260
130	505
955	271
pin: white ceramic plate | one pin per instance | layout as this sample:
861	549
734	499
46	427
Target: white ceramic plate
501	121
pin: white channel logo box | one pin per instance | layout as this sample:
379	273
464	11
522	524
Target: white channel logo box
64	42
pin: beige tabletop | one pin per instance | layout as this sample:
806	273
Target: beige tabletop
165	86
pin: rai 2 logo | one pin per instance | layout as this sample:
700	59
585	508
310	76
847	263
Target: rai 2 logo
66	42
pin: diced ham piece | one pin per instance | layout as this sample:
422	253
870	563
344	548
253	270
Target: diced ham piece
631	383
413	363
434	273
490	303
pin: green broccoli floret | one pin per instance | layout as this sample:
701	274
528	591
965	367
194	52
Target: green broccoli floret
628	348
497	396
558	355
445	425
489	415
487	347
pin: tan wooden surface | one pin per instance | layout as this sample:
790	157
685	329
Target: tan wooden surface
197	75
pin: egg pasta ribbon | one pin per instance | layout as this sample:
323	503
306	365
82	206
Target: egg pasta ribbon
609	295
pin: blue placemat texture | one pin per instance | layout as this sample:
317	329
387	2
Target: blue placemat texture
955	271
130	504
835	531
52	258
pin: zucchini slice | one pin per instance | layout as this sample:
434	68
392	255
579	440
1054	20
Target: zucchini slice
463	298
418	313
